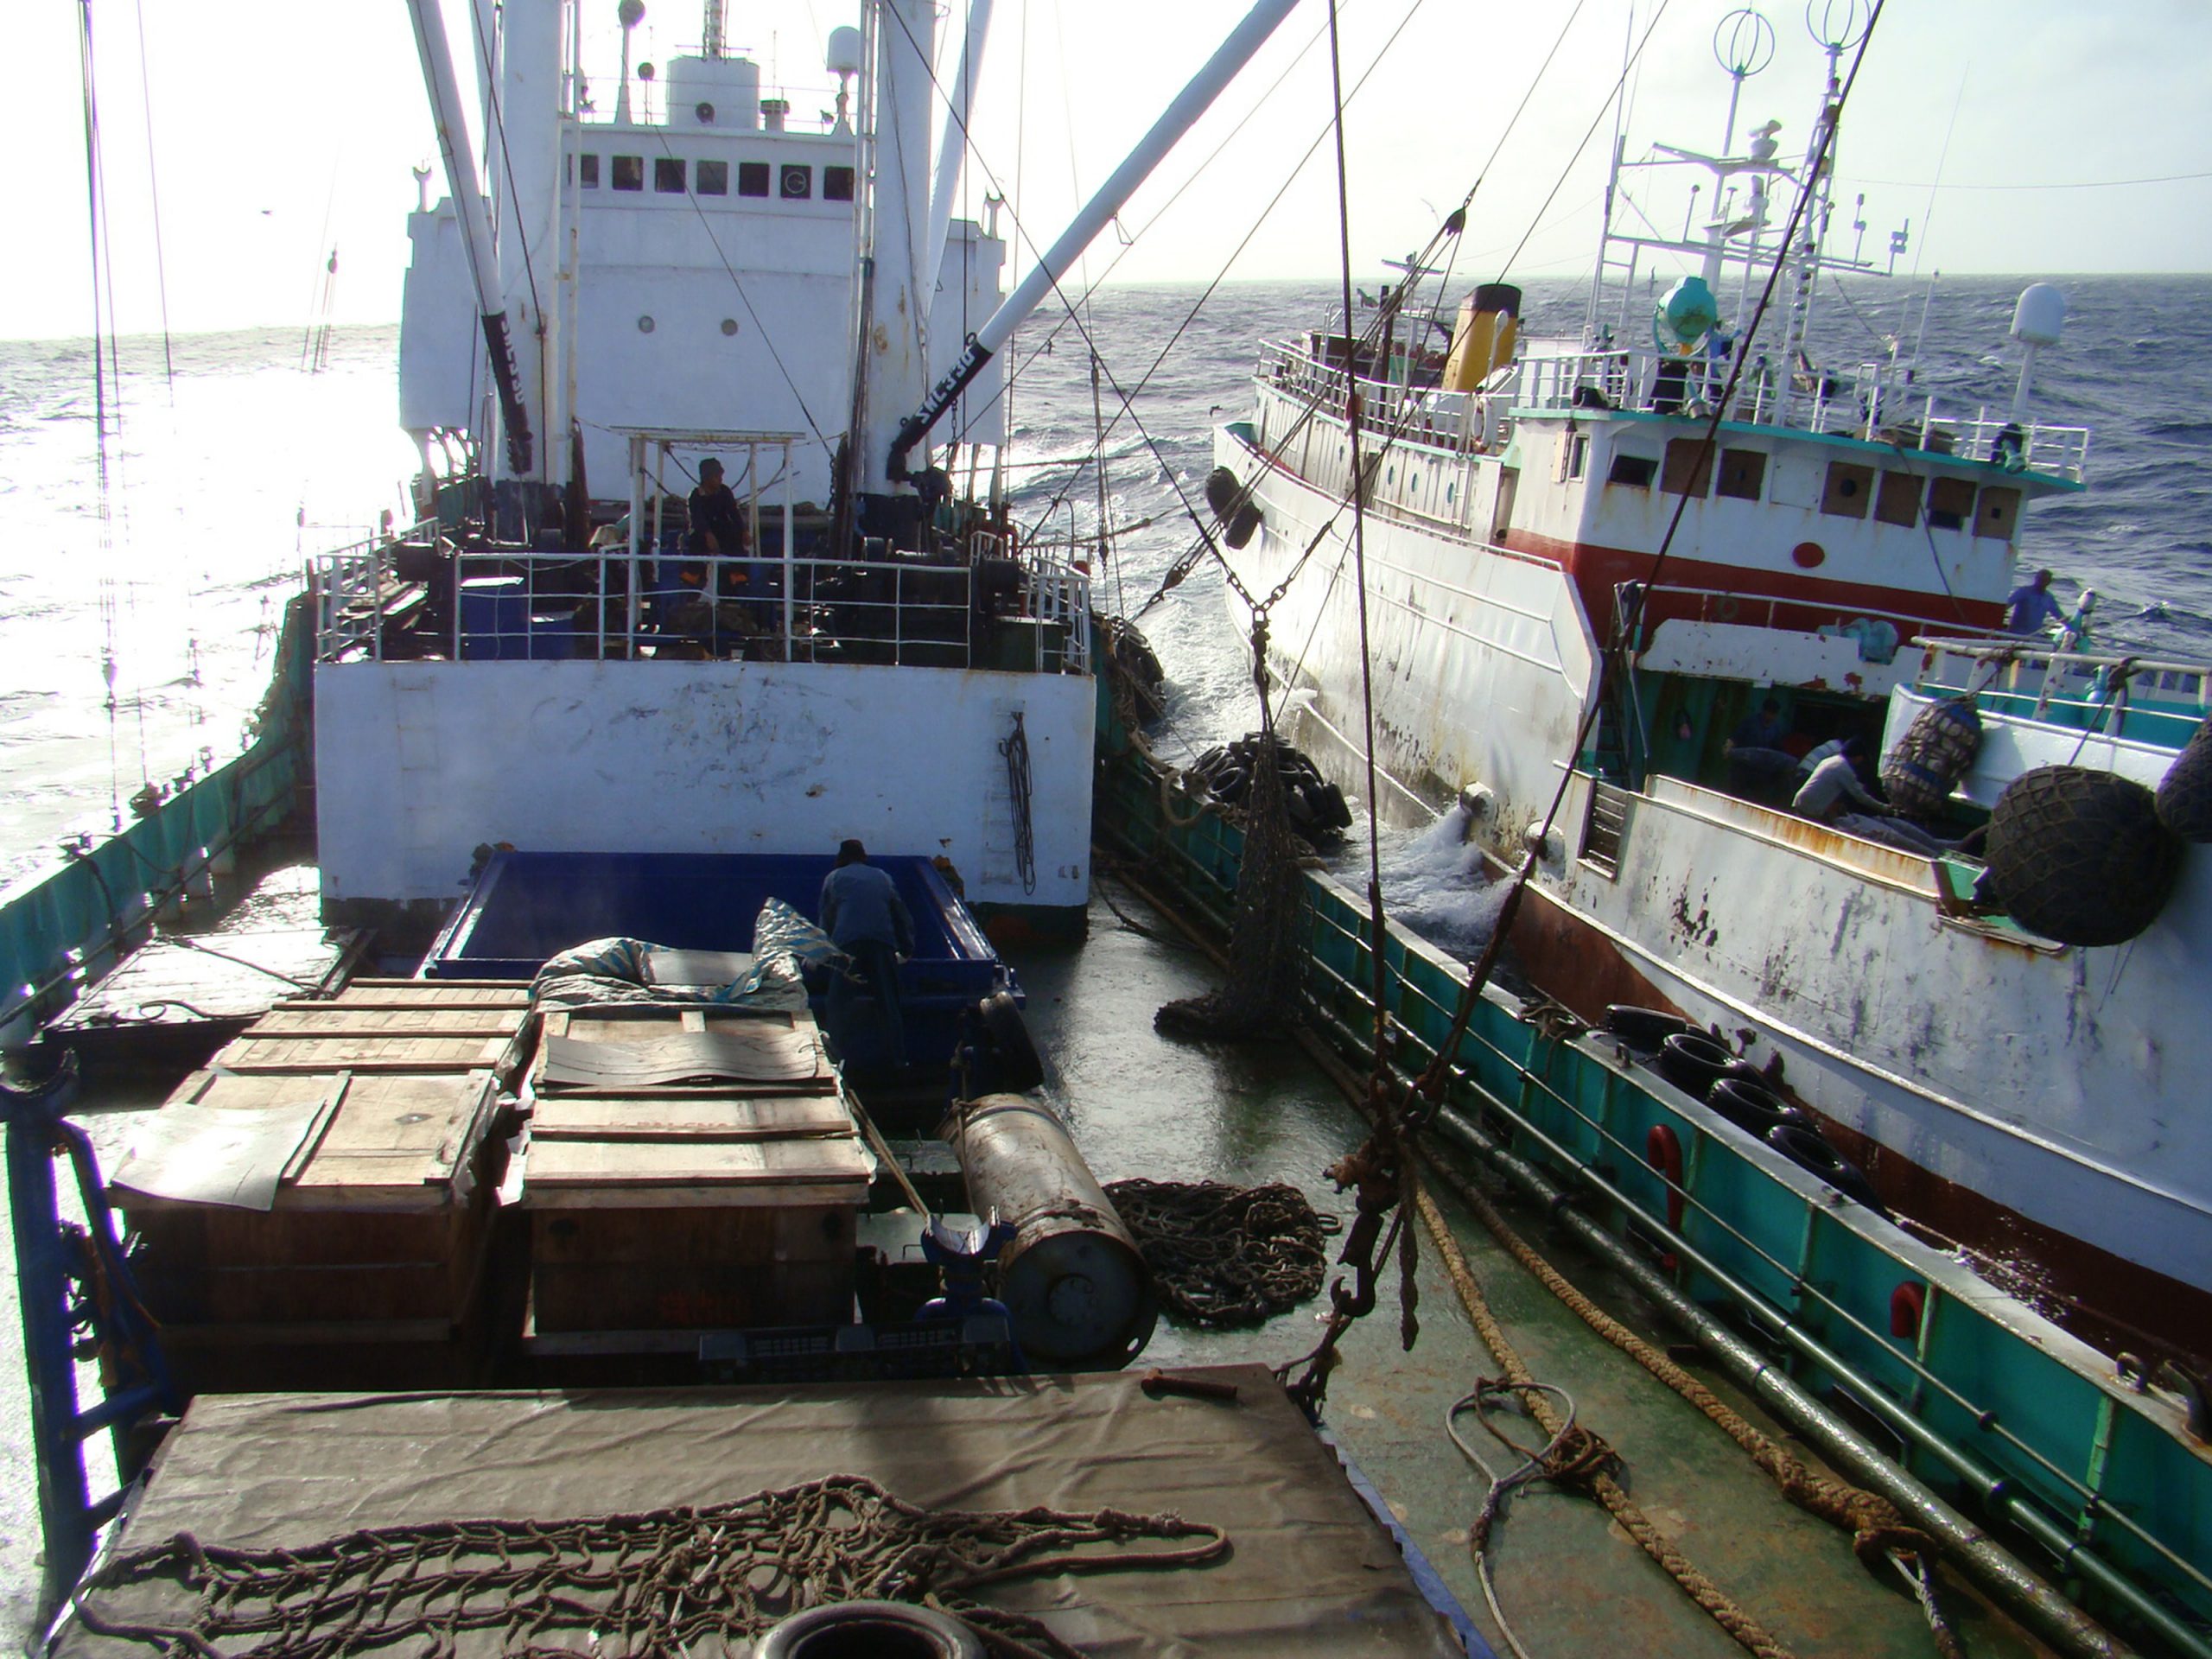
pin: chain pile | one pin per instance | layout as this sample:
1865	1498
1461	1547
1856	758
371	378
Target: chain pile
1226	1255
676	1580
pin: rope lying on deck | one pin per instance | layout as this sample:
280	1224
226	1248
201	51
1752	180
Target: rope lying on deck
1879	1532
1224	1255
653	1583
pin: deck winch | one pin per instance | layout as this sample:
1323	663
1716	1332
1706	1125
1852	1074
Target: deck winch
1071	1276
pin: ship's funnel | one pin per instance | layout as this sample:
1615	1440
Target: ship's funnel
1482	339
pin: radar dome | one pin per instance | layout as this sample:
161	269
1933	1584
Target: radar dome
2040	317
842	54
630	13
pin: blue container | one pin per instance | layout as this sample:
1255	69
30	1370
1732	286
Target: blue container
526	906
553	636
494	620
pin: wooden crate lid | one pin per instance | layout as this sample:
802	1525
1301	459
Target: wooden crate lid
309	1051
351	1020
662	1050
424	994
383	1142
689	1117
561	1173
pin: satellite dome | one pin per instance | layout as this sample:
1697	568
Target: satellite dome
2040	317
841	56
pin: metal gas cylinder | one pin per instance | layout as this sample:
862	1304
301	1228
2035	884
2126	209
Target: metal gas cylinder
1071	1278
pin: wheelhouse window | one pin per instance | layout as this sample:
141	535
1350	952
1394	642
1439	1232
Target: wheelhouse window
753	178
836	184
1849	488
588	172
797	182
710	178
1950	501
1635	470
1689	468
668	175
1898	500
1742	473
629	172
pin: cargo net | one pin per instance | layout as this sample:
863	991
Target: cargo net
1263	945
699	1581
1226	1255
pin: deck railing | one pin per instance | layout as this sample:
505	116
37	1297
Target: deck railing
2158	701
408	595
1877	403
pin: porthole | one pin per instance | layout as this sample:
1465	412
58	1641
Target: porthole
645	325
730	325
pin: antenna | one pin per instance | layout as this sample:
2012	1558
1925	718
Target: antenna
1743	43
710	30
629	14
843	57
1836	27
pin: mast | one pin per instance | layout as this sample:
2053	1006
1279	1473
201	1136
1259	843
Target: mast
444	91
954	144
894	364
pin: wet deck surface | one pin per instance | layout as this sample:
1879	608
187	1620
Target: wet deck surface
1570	1579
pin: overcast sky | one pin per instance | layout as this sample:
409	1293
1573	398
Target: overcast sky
2011	135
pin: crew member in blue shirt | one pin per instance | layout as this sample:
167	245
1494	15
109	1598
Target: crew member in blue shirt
2030	608
864	917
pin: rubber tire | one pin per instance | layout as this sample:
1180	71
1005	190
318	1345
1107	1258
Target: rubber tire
870	1630
1751	1106
1015	1067
1693	1062
2079	855
1804	1146
1642	1029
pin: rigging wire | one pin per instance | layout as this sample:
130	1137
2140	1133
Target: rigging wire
153	193
767	336
106	367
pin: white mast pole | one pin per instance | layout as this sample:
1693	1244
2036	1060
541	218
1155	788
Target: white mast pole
894	368
954	144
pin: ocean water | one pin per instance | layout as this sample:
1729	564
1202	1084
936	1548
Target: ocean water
136	621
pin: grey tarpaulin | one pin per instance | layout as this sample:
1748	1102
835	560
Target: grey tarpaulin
1309	1571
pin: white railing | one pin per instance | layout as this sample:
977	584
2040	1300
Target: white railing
2164	700
357	592
1029	614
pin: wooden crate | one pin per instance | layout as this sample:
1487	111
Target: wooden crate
667	1198
385	1222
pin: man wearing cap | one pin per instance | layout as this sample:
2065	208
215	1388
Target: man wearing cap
864	917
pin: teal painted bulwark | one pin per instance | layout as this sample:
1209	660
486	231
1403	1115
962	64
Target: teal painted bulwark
1997	1411
64	928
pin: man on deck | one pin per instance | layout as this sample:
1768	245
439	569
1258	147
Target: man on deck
864	917
1833	789
2030	608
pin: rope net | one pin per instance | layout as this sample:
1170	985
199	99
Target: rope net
1226	1255
699	1581
1265	961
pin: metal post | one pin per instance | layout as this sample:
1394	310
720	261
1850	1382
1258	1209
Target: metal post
791	629
637	518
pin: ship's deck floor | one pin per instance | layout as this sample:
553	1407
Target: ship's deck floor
1141	1104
